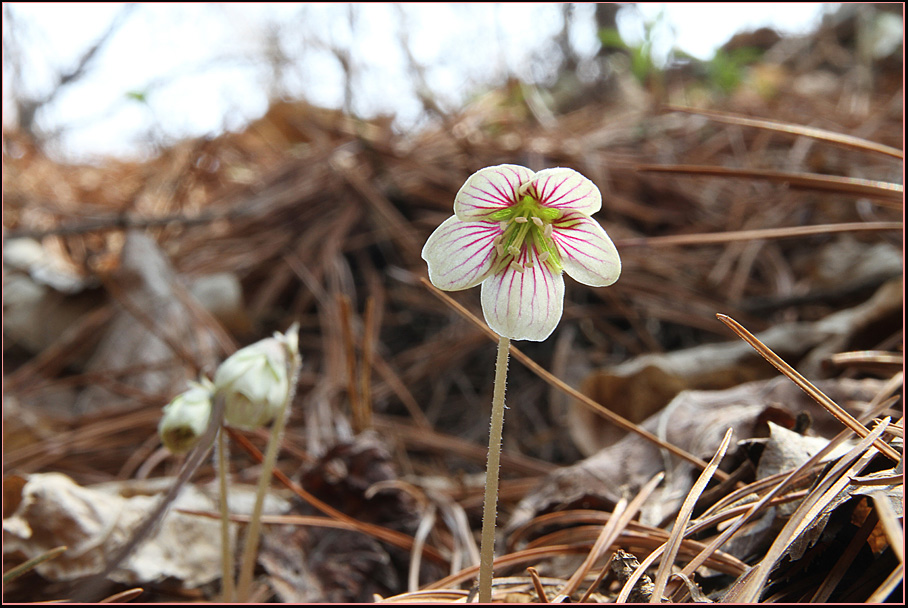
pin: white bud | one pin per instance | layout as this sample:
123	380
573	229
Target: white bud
186	417
254	381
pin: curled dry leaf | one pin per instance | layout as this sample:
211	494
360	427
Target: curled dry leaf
92	522
783	451
50	509
885	485
786	450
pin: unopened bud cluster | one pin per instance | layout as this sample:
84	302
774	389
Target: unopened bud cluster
254	383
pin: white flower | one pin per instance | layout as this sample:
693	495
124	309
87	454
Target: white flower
514	231
186	417
254	381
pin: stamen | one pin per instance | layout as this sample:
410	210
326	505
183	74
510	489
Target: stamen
537	221
513	250
500	249
503	226
497	240
517	266
544	256
529	264
522	220
547	232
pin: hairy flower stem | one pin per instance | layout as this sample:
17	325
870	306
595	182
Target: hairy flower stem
251	545
490	504
226	549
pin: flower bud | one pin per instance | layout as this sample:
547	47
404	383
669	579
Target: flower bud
186	417
254	381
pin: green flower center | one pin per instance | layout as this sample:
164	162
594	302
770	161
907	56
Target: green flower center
528	223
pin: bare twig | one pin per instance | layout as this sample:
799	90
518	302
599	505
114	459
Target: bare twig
28	108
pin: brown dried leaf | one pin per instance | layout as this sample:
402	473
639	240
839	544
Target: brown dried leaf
786	450
695	421
644	385
783	451
882	486
93	521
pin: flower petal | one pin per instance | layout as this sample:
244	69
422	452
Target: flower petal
567	190
524	305
237	365
460	254
587	253
489	190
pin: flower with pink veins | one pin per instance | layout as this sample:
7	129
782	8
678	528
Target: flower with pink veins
514	231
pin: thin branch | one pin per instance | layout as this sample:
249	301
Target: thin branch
27	108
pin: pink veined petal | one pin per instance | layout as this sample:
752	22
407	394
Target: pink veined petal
587	253
460	254
524	305
567	190
489	190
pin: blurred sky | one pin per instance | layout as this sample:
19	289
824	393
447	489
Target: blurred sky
184	69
